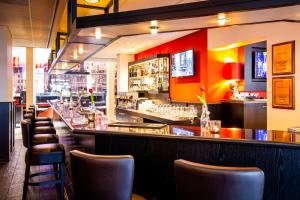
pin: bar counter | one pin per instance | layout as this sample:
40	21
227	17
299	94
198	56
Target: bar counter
277	153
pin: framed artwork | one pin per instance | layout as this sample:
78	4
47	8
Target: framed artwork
283	92
283	58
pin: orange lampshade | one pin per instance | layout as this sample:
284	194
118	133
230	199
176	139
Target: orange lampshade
233	70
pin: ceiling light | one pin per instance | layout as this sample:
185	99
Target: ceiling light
75	56
80	49
222	19
98	33
64	66
154	27
92	1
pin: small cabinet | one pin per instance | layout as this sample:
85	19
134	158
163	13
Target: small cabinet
255	115
244	114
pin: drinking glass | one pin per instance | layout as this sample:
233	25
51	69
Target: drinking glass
215	126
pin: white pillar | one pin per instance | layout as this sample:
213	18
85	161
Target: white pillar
110	96
30	80
6	70
122	71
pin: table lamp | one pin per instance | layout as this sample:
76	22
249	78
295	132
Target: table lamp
234	71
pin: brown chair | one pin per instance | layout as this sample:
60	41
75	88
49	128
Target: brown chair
196	181
102	177
42	154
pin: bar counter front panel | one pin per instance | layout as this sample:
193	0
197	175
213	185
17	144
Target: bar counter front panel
277	153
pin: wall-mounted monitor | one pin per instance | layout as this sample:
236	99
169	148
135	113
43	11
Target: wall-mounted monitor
183	64
259	64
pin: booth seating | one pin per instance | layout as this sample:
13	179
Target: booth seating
199	181
107	177
42	149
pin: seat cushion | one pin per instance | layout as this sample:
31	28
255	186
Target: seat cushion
43	119
44	130
44	139
43	123
44	154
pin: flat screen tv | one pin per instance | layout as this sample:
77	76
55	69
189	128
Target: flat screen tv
259	65
183	64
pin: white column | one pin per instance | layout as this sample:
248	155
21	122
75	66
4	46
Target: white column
6	70
110	96
122	71
30	80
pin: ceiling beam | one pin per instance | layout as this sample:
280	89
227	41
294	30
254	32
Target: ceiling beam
90	7
180	11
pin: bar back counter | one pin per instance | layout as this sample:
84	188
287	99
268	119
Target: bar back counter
156	147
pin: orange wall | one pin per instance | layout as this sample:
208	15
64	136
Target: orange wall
208	68
218	87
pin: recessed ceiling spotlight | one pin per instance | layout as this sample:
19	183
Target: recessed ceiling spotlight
92	1
64	66
222	19
98	33
154	27
80	49
75	56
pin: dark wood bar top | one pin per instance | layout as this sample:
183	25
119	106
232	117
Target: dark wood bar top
78	124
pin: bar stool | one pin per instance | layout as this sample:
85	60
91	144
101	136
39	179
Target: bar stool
44	138
40	126
42	154
199	181
102	177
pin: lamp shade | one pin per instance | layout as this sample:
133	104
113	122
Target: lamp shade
233	70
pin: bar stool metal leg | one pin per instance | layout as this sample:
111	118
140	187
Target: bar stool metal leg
26	181
62	180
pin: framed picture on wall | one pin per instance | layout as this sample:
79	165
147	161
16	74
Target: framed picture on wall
283	58
283	92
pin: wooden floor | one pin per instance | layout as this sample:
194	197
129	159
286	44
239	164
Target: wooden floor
12	177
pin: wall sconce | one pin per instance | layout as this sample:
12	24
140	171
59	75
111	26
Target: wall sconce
234	71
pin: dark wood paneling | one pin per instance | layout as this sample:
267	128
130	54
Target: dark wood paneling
154	158
233	115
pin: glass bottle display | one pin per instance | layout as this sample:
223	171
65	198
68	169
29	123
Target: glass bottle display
149	74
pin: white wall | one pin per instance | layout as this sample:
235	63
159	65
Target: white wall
6	70
122	71
110	96
273	33
30	77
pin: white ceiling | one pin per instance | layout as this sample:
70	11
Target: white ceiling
29	21
135	44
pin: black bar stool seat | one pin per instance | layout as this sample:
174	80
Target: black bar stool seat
43	123
44	154
44	130
44	139
199	181
37	119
